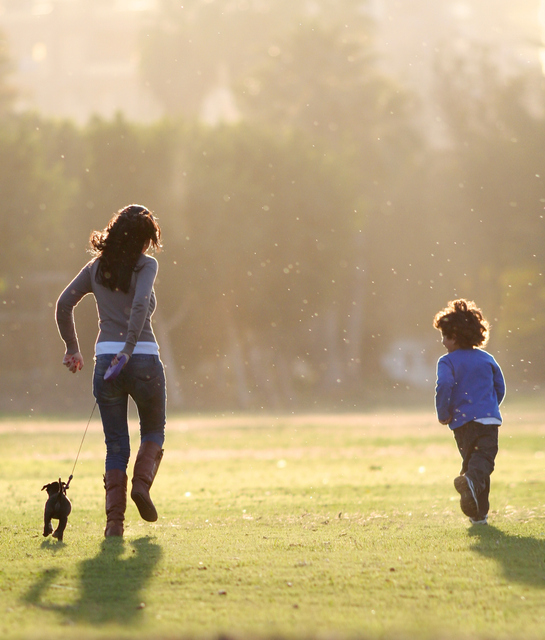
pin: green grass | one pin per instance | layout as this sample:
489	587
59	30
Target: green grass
272	526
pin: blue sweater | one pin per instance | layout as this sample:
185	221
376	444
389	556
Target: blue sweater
470	386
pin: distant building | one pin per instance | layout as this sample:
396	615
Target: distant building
75	58
219	105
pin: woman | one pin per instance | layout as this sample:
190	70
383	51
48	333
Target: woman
121	277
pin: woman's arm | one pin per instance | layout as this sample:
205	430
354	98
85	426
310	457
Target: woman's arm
69	298
141	303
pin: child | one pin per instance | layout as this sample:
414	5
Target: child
470	388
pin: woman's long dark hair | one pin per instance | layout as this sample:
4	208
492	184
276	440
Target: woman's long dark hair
120	244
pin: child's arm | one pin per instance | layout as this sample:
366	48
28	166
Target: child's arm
499	383
443	391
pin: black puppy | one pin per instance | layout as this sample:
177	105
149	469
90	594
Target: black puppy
57	507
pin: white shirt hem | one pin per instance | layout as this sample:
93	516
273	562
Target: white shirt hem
488	421
141	348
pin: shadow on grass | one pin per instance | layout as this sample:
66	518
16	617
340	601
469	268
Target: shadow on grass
521	558
110	584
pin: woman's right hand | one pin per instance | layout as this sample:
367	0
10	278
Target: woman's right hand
118	357
73	361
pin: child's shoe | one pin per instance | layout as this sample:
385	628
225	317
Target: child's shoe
481	521
468	498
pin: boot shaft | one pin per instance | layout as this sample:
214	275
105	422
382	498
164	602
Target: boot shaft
145	469
147	462
115	483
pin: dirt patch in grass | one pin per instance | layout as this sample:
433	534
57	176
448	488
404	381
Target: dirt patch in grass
373	423
520	416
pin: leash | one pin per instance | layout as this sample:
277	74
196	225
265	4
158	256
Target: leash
81	445
111	374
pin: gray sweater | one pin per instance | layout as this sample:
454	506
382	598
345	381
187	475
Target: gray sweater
122	317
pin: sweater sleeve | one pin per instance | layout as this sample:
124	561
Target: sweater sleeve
69	298
143	296
443	390
499	383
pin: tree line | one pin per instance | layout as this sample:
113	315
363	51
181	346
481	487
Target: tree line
307	247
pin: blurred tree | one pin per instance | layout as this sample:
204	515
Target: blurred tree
318	80
326	81
311	67
497	128
8	93
263	244
197	46
124	163
36	196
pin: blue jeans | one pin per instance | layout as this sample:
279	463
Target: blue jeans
478	446
143	379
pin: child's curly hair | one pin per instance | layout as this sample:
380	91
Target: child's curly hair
463	322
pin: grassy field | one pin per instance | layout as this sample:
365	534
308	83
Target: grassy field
328	526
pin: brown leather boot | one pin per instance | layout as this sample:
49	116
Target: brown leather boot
115	483
145	469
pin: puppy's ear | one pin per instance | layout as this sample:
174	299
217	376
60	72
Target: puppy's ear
45	486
